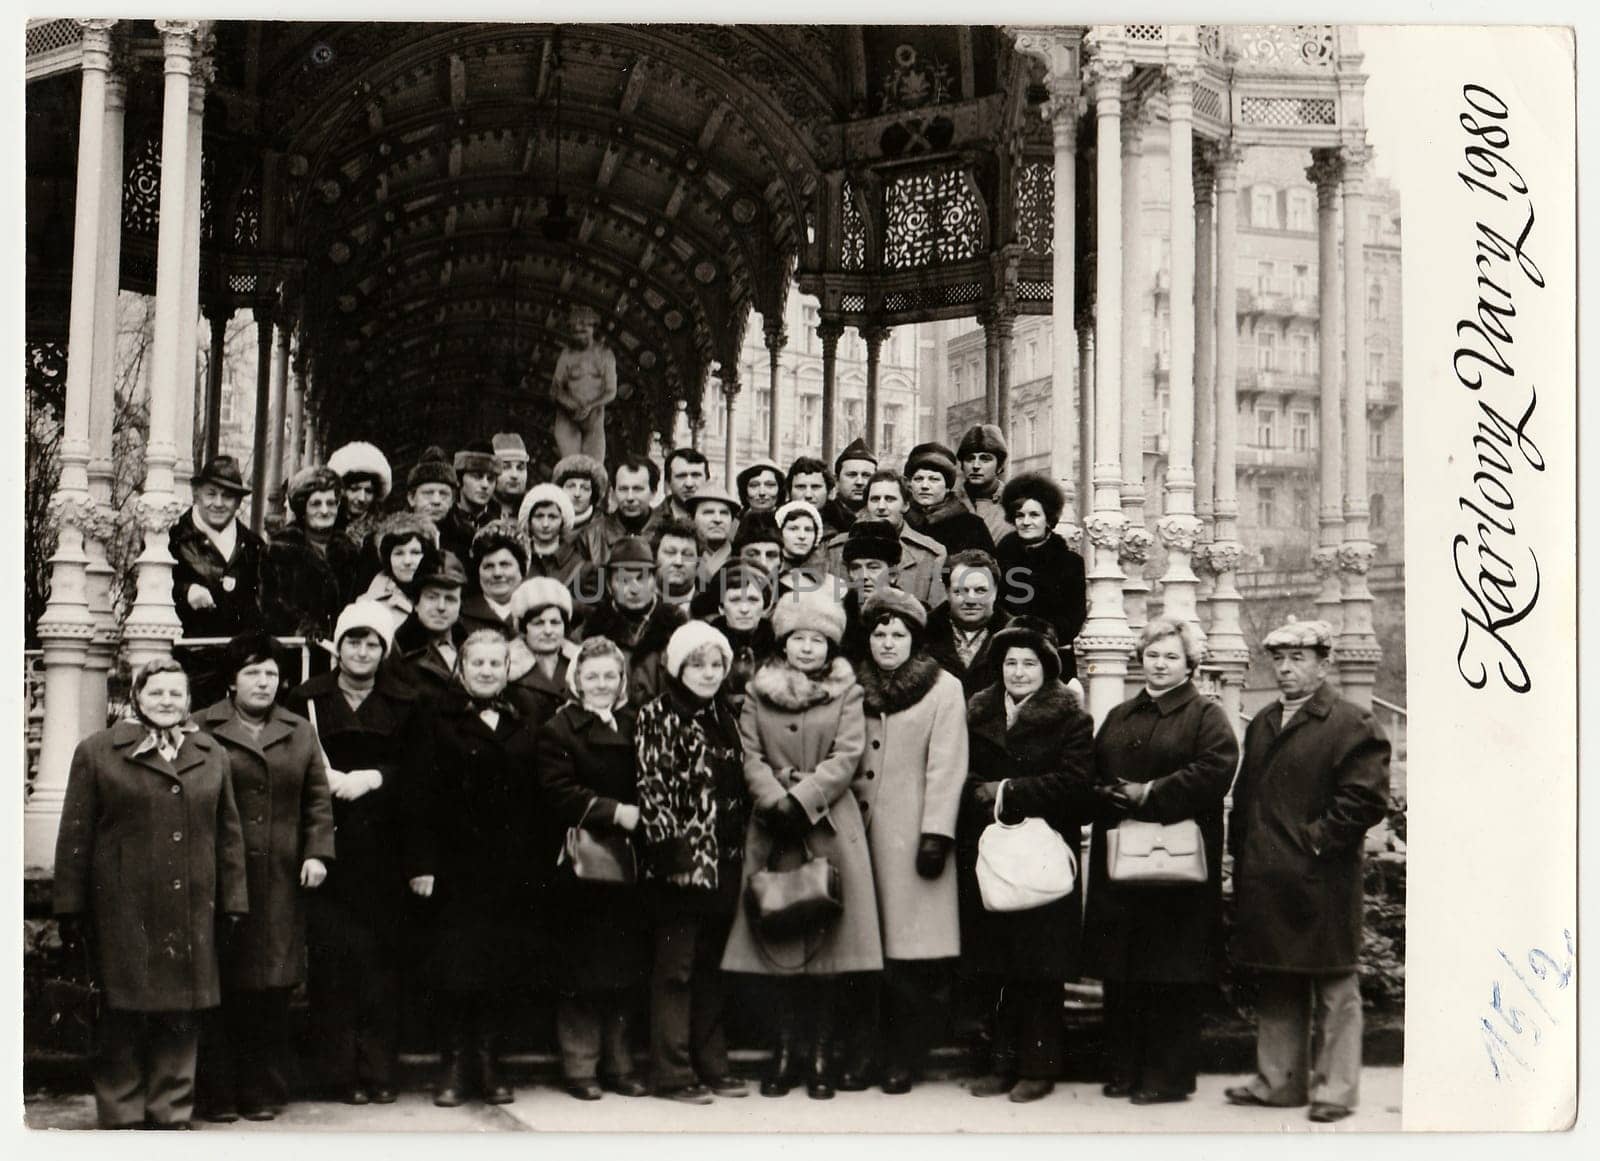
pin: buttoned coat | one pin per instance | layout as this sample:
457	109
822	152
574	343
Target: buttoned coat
535	693
286	812
586	771
235	584
909	784
150	852
921	563
1045	579
805	736
985	668
1047	756
1181	746
1307	793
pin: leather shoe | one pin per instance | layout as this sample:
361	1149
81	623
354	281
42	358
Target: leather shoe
852	1081
357	1096
1031	1090
1243	1094
772	1086
628	1086
1116	1088
896	1081
689	1094
1156	1096
218	1116
1325	1114
819	1088
728	1086
260	1115
384	1096
584	1090
992	1085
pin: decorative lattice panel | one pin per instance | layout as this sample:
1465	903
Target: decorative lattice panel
932	297
247	219
1286	111
1035	202
931	218
50	35
853	255
1144	32
47	371
141	189
961	293
1208	102
208	196
242	283
1280	46
851	303
1029	290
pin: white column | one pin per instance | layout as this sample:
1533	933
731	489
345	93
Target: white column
67	624
1178	526
153	622
1086	389
1205	354
1063	114
1227	651
1325	172
102	413
1105	641
276	424
1356	650
189	319
1134	553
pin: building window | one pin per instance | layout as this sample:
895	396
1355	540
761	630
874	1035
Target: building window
1302	508
1375	368
1266	507
1375	300
1302	281
1301	352
763	411
955	382
1300	430
1375	441
1374	227
1031	361
1266	426
225	414
1264	208
855	419
811	419
1375	510
1300	215
1267	351
1033	434
892	424
1265	273
979	384
811	318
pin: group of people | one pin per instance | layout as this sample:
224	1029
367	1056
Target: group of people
563	729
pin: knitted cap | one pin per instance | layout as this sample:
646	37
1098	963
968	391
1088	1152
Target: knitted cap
359	458
432	468
690	636
365	614
808	609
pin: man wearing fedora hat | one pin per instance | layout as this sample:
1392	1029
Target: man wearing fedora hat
217	570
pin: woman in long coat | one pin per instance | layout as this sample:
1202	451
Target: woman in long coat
1031	749
309	573
375	736
468	823
1040	574
148	853
909	786
541	654
803	733
1167	755
281	789
600	939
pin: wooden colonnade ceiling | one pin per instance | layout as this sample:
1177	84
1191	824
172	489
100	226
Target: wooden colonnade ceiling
421	188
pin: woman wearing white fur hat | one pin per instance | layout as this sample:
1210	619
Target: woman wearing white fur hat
367	478
546	519
803	733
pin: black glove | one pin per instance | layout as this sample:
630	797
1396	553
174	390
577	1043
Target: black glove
932	850
787	818
72	932
1113	805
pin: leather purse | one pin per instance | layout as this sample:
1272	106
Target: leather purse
1156	854
604	859
1023	865
794	903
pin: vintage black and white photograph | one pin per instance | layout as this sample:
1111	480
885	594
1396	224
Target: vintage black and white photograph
769	577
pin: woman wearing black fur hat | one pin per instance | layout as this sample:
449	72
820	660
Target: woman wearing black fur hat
1040	576
310	568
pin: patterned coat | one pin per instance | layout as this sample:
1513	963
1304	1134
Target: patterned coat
909	785
804	736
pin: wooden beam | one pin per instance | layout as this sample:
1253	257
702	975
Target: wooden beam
458	81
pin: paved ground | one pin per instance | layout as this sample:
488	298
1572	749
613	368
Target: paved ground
935	1107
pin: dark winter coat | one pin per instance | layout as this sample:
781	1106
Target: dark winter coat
477	613
304	590
599	933
1047	755
286	813
235	584
642	642
416	660
1307	793
469	822
749	651
1045	580
535	694
985	668
390	733
837	516
150	853
1181	745
570	559
952	524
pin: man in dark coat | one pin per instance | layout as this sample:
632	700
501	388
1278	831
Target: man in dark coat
851	471
961	631
936	510
634	617
427	641
1315	778
982	454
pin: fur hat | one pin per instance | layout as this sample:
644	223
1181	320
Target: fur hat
983	437
494	536
886	599
857	449
1029	633
443	571
1033	486
1300	635
742	480
359	458
538	593
756	528
872	540
580	466
306	483
365	614
808	609
432	468
935	456
399	527
690	636
478	457
547	494
508	445
795	508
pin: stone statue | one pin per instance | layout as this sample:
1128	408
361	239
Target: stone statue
585	381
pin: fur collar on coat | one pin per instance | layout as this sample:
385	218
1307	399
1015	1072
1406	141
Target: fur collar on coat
522	659
781	685
1038	721
889	693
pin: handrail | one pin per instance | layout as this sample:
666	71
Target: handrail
300	645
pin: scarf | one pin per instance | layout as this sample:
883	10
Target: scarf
1013	707
968	642
224	541
353	695
608	716
165	741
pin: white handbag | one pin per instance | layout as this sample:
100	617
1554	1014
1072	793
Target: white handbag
1023	865
1156	854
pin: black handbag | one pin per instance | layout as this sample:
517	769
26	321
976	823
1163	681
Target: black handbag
605	859
805	900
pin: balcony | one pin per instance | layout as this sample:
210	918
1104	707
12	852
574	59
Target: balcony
1274	302
1383	396
1255	380
1280	459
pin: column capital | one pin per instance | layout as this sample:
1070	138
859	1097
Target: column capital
1226	156
96	44
1136	544
873	336
178	44
829	330
1106	72
1354	158
776	336
1325	172
1203	172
